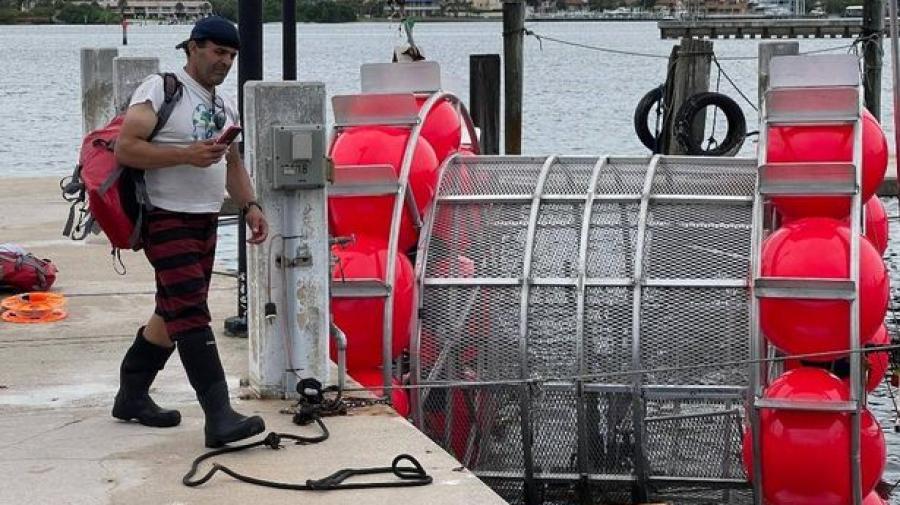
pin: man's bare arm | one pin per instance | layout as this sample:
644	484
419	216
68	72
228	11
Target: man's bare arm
133	149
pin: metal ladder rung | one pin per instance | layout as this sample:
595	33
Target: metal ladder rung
364	180
805	405
810	179
408	122
359	288
804	288
810	120
389	109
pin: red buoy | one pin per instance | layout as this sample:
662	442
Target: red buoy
873	499
876	224
820	248
371	215
361	318
806	455
372	380
828	143
442	128
878	362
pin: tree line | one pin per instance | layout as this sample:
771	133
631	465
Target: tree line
66	12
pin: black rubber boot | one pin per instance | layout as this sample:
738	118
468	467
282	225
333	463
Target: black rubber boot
139	367
204	369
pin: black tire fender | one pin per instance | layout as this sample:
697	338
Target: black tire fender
737	124
642	113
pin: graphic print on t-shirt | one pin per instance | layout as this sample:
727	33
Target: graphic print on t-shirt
203	121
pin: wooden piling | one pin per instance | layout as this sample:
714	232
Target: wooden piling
689	67
513	72
484	99
873	30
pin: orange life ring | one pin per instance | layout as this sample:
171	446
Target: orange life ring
36	300
50	316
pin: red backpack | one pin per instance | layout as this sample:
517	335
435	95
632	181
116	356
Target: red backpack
116	195
22	271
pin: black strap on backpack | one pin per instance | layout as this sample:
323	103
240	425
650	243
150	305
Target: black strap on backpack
73	188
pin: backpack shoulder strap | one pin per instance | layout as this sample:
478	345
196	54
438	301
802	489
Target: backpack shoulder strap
173	90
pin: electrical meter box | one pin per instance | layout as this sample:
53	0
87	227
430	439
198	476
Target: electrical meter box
299	157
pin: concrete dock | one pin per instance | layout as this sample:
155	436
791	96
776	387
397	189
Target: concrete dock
59	445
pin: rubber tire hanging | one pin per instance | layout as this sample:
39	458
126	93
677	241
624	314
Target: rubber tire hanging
642	113
737	125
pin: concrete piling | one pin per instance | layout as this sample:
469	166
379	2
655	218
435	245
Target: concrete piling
96	86
128	72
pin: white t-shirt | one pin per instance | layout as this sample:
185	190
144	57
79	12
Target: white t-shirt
186	188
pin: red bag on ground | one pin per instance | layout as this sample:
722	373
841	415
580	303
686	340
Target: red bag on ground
26	272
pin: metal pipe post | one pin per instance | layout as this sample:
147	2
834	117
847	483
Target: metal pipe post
895	73
513	71
250	68
872	31
289	40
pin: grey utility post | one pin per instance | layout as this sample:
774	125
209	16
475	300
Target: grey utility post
128	72
96	86
285	150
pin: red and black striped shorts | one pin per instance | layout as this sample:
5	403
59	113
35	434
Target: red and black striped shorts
181	247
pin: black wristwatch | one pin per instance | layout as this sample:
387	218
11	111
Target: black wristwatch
251	203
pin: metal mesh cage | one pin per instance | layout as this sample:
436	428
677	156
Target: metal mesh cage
576	321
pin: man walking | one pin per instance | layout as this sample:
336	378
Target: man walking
186	177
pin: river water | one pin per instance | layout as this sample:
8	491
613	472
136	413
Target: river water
577	100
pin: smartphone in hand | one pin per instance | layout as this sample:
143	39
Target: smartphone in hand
229	135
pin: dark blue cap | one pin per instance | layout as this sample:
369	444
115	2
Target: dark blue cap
216	29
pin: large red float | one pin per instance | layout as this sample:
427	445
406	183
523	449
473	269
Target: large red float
361	318
820	248
381	145
878	362
442	127
827	143
806	455
876	224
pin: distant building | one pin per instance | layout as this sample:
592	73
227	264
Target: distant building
157	9
487	5
576	5
415	7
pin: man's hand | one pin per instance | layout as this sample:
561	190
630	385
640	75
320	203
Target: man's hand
204	153
259	227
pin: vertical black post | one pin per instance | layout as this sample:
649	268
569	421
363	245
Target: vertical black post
289	39
124	24
484	99
513	70
873	33
250	68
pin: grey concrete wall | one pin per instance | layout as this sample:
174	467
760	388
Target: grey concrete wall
300	293
128	72
97	86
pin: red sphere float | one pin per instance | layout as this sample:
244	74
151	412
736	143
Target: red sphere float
371	379
381	145
876	224
822	144
806	455
878	362
442	127
873	499
361	318
820	248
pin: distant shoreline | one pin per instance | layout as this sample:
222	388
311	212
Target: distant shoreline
446	19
